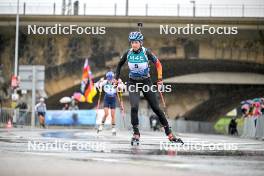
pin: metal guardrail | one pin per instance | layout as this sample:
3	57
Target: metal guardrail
17	117
6	114
114	9
254	127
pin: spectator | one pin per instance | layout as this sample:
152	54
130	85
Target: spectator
74	107
232	127
66	106
22	106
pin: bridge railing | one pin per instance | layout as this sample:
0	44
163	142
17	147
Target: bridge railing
118	9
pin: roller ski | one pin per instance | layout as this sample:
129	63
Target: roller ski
113	131
173	139
99	129
135	140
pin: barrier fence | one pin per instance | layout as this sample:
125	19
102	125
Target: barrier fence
254	127
15	116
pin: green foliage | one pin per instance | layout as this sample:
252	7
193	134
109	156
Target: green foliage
221	126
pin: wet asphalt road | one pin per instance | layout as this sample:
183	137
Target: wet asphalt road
83	152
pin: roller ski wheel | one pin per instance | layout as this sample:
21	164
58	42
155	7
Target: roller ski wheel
135	140
173	139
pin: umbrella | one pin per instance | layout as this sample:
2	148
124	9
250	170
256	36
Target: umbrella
256	99
65	100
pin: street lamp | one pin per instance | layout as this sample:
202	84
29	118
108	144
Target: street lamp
14	81
193	2
16	44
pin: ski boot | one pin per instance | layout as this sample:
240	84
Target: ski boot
173	139
113	131
135	139
100	128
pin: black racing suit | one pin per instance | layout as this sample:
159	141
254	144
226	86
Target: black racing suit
134	95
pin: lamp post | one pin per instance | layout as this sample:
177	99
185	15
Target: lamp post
193	2
16	44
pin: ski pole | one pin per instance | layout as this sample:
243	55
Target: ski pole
162	99
161	96
122	106
163	102
98	103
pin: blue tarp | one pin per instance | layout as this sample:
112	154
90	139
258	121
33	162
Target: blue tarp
66	117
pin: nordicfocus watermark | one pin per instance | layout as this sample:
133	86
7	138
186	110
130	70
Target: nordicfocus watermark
137	87
146	88
58	29
66	146
203	145
199	30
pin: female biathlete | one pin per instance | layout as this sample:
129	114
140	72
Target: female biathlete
110	90
138	57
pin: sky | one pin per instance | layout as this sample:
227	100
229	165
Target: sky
138	7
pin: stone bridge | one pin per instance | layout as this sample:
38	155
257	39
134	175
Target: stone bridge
210	74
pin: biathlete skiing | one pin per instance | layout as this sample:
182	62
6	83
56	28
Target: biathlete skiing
41	109
111	90
138	58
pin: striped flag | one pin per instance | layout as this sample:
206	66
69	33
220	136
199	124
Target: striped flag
88	90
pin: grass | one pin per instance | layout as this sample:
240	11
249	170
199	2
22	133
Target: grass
221	126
